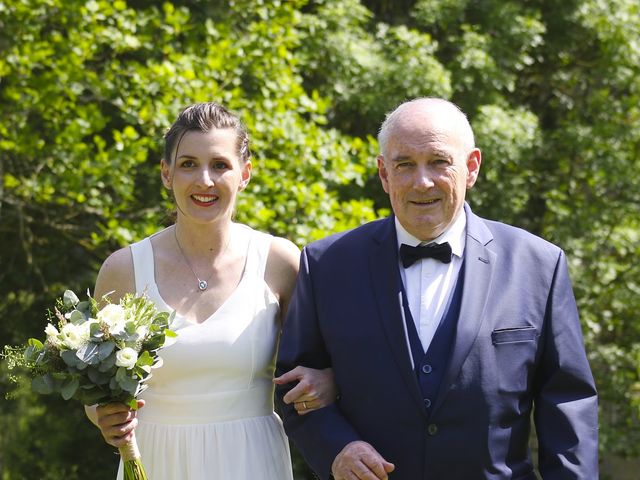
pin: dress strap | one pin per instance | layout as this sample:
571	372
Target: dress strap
258	251
143	267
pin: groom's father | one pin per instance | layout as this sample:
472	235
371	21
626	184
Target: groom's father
446	332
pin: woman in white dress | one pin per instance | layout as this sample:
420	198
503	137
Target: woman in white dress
208	412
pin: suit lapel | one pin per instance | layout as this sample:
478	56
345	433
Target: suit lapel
479	268
383	263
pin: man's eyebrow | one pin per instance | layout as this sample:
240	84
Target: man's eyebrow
442	153
400	158
435	153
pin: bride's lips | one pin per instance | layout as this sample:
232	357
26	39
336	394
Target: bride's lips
204	199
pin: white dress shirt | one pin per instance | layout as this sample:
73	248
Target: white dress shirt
428	282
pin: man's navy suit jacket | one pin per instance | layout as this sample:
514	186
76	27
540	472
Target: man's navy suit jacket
518	351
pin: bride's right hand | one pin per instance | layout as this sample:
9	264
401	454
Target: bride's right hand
117	422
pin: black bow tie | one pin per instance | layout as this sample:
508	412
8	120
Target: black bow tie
409	254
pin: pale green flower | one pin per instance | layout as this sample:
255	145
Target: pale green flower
127	358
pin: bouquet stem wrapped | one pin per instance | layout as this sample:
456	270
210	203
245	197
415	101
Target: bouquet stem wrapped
98	356
132	461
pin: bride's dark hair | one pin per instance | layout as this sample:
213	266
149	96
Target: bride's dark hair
203	117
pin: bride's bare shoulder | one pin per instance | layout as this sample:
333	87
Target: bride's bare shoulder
116	276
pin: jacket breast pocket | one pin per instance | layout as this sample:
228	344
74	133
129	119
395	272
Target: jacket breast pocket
515	353
514	335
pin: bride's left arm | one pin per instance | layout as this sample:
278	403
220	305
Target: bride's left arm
315	388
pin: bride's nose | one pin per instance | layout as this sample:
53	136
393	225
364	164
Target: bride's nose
205	177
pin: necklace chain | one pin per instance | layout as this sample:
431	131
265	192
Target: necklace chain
202	284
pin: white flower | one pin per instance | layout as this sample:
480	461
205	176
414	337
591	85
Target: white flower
51	331
52	335
112	315
74	336
127	358
142	331
118	330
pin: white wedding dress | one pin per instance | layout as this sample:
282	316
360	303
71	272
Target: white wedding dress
209	411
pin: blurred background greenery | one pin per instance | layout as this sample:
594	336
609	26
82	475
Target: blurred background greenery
87	88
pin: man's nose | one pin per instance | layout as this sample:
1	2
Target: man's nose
423	178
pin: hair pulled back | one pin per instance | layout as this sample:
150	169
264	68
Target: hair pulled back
204	117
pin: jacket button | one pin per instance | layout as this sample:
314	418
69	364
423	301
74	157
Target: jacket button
432	429
427	402
427	369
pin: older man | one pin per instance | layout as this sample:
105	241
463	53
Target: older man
446	332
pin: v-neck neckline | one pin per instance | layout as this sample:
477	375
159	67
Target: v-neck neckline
222	305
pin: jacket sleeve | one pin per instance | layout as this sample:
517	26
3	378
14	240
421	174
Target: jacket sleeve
319	435
566	403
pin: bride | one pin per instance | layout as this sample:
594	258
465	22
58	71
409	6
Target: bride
208	412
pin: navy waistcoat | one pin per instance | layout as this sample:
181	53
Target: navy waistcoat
430	366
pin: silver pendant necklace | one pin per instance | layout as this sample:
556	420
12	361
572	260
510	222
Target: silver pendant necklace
202	284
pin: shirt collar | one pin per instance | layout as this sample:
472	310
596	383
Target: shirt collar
455	235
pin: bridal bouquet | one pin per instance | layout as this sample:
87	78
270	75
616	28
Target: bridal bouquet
97	355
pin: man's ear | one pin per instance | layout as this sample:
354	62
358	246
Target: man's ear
474	159
246	175
383	173
165	174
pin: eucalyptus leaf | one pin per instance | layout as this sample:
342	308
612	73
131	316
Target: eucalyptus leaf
33	351
69	387
77	317
129	385
70	299
105	349
43	384
69	357
91	396
85	307
88	353
113	384
95	332
98	377
125	381
108	363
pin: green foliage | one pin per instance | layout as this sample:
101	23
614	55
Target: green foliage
87	88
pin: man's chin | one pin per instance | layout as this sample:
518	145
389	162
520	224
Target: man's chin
425	229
